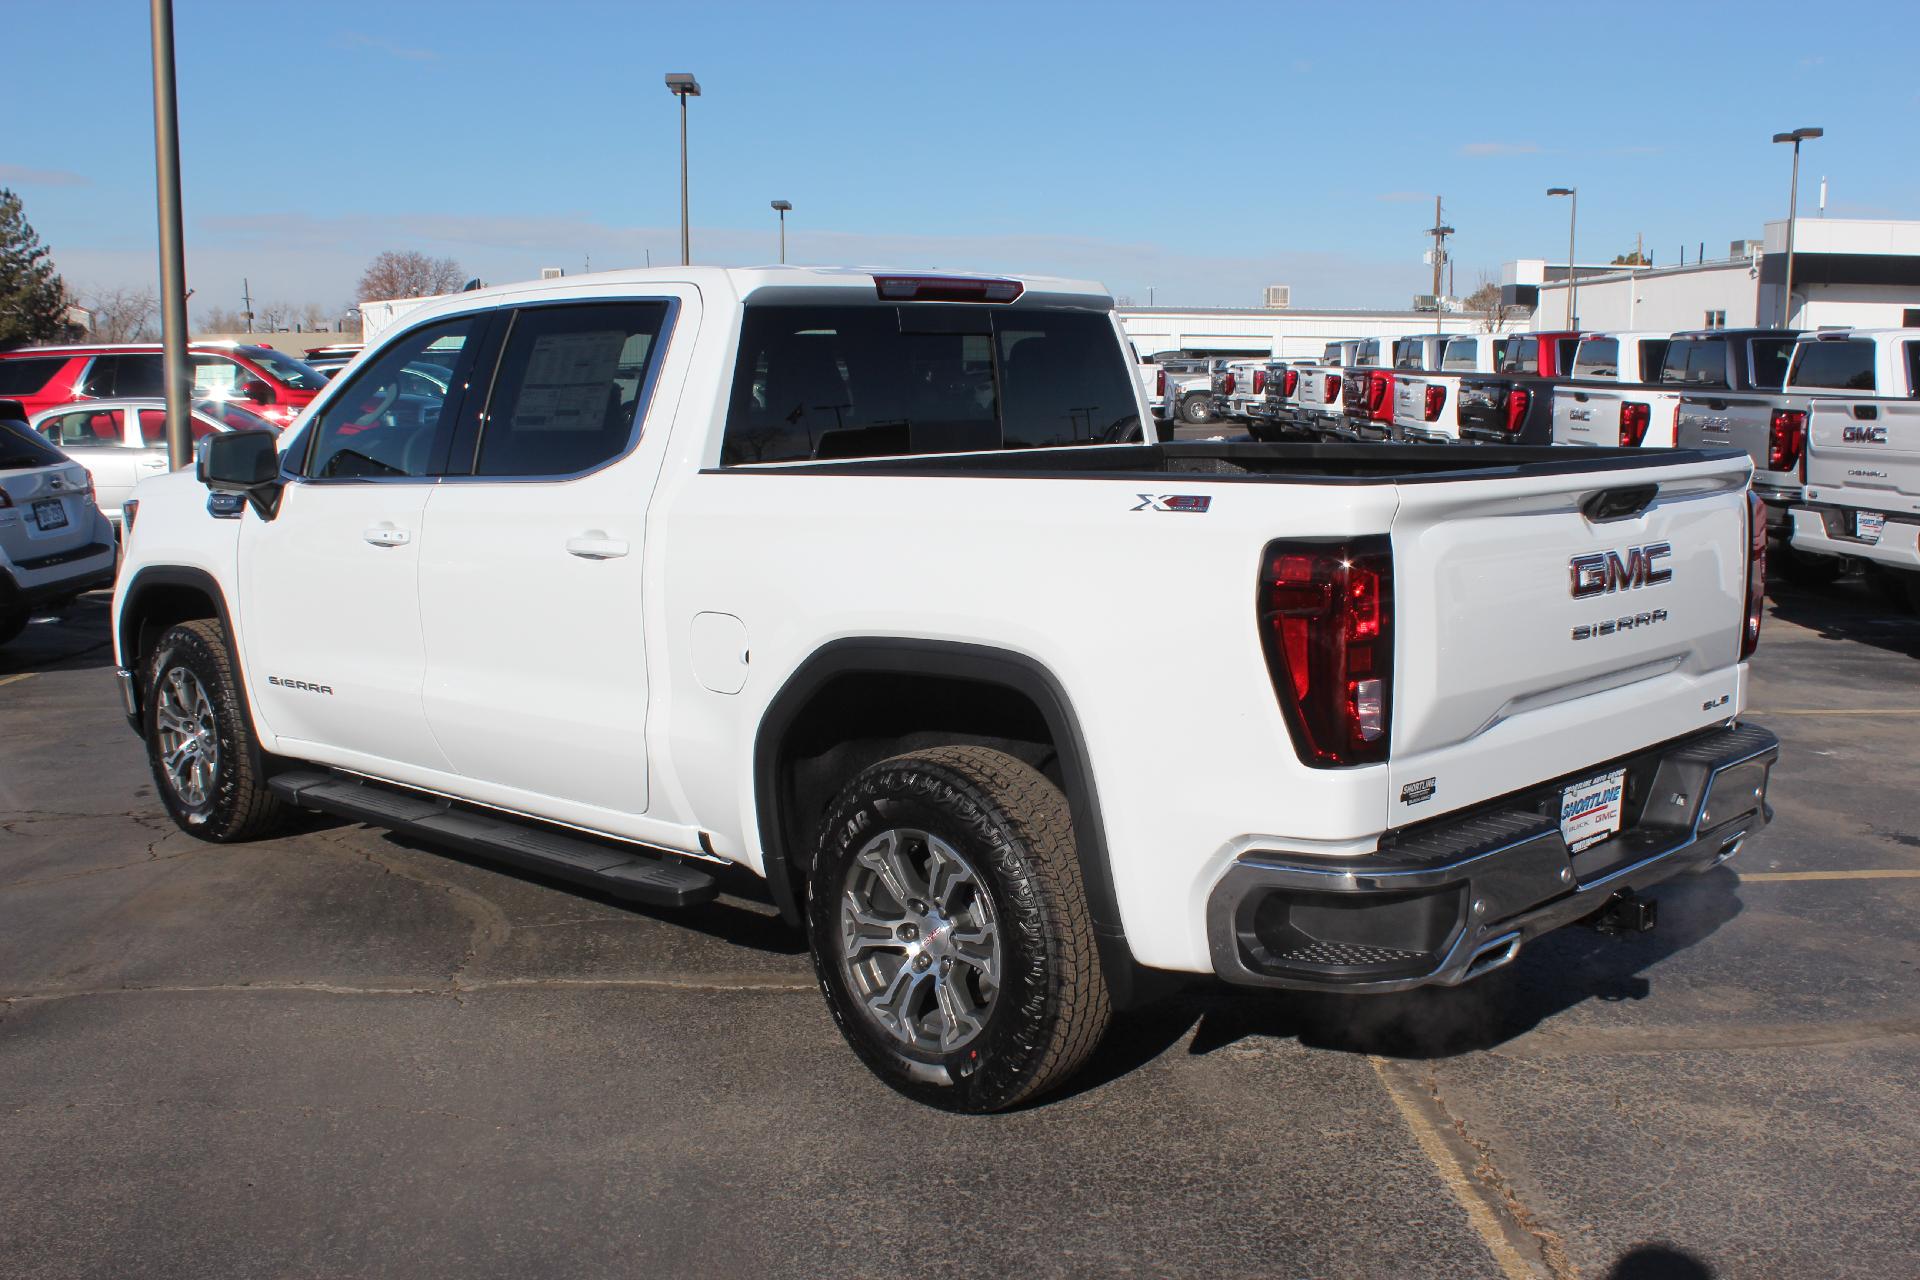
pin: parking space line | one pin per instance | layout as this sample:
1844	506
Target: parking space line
1455	1175
1892	873
24	675
1839	711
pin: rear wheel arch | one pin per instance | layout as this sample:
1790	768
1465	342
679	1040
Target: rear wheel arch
826	724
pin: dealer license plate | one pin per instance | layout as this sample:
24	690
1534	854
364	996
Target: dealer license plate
1590	810
1867	525
49	514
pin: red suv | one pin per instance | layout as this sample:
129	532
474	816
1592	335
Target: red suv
270	383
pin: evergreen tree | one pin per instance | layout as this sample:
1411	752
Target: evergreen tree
33	300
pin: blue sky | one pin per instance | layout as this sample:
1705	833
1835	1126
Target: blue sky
1039	137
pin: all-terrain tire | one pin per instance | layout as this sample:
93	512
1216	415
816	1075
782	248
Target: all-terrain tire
1013	828
234	803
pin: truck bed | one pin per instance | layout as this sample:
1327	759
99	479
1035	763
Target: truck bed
1317	463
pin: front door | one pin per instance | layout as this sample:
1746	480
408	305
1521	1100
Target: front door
531	570
330	602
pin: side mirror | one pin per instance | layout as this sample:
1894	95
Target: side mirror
246	463
259	392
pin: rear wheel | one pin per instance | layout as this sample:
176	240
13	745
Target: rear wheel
1802	569
200	743
950	929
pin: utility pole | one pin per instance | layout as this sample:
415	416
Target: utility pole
1439	231
173	253
246	302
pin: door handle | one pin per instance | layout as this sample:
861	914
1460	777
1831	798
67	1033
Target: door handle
595	545
153	464
386	535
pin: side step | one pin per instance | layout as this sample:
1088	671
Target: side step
627	872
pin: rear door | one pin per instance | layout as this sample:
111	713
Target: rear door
1518	661
533	566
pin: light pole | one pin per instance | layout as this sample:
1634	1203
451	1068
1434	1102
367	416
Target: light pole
783	207
173	255
682	85
1573	218
1793	200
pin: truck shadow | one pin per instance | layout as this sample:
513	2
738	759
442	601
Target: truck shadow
71	638
1859	609
1552	974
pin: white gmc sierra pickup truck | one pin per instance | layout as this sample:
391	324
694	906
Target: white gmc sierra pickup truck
869	584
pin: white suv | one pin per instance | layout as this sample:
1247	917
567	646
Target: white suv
54	543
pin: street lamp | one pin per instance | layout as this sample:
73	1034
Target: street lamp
1793	199
783	208
1573	217
682	85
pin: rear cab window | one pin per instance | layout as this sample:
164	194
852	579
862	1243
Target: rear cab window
1523	356
1839	366
825	381
1597	358
1695	362
1462	355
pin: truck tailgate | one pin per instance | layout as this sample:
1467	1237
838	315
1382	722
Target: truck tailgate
1876	457
1504	678
1586	415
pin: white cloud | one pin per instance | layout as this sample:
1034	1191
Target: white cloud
25	177
1500	149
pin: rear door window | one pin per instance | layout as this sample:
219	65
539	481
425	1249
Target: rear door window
27	375
566	396
124	375
85	428
1843	366
868	381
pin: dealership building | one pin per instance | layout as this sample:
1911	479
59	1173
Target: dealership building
1280	332
1846	272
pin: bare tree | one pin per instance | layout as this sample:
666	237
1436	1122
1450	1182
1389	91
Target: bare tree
122	314
271	317
409	274
1486	302
221	320
313	316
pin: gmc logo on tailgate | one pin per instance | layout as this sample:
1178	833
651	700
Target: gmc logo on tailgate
1604	572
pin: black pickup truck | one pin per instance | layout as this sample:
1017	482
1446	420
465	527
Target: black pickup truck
1515	405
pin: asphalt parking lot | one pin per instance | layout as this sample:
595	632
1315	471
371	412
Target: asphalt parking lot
337	1053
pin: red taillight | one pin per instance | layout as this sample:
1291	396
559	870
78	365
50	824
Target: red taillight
1436	398
1160	382
1290	383
946	289
1756	574
1326	621
1380	396
1786	437
1259	382
1228	383
1517	398
1634	420
1333	388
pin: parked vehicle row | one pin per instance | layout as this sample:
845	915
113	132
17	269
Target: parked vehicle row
270	383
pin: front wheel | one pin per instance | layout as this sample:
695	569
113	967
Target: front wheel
200	744
1196	411
950	929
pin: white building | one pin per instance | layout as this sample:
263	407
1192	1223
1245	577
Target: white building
1845	272
1281	332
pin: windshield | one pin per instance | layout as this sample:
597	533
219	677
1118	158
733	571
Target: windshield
286	369
21	448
